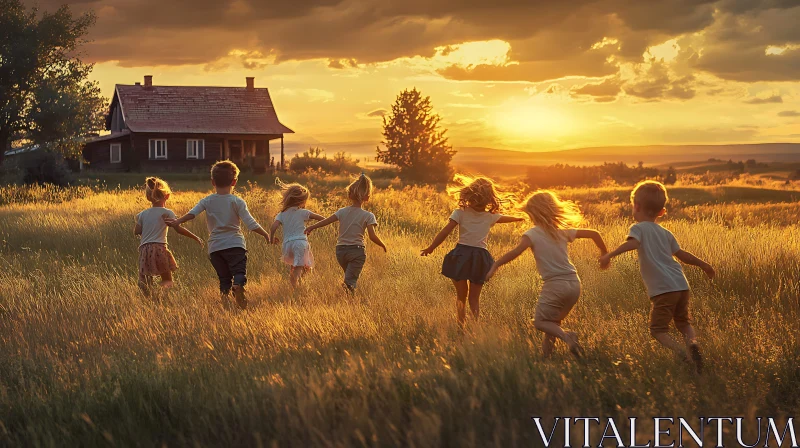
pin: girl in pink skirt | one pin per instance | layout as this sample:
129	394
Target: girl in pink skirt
296	252
155	258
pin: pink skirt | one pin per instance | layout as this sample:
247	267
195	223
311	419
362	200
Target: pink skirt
155	259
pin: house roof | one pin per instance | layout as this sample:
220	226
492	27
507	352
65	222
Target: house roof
111	136
198	110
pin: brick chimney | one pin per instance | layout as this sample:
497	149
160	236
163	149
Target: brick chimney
148	81
251	83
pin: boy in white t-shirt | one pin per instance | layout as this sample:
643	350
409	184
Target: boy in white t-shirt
662	274
225	212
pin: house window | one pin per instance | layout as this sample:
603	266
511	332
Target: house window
116	153
195	149
158	149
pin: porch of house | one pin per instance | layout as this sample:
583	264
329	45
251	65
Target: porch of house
253	152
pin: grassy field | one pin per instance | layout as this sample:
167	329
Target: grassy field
86	361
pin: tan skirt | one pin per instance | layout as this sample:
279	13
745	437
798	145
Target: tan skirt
155	259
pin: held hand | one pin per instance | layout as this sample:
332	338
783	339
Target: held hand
200	242
308	230
491	273
425	252
605	261
171	222
266	237
709	270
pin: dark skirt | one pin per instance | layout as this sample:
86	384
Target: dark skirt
467	263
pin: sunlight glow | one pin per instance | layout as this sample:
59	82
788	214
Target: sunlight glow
529	120
488	52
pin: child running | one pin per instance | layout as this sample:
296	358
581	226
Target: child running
554	226
155	257
354	221
293	217
663	276
479	205
226	246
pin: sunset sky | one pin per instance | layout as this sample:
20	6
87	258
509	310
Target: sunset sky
516	74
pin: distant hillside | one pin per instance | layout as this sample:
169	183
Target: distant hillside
490	160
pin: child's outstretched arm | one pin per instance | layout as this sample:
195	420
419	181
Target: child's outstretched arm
505	219
173	222
691	259
627	246
373	236
316	217
439	239
272	229
185	232
524	243
329	220
595	236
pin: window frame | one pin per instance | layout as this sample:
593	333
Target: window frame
153	149
199	147
111	152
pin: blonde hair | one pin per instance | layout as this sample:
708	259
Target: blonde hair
293	195
360	189
551	213
479	193
224	173
651	195
156	189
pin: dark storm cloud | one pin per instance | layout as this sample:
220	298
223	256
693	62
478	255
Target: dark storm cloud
548	39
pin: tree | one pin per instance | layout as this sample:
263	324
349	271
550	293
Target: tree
671	177
45	95
414	141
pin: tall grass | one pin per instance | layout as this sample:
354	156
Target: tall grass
86	361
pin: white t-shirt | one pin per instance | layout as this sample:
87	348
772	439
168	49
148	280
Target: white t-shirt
353	222
661	272
223	213
293	221
474	226
552	259
154	230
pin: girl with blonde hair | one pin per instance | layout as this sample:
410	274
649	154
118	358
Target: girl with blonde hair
354	222
296	252
555	225
479	206
155	258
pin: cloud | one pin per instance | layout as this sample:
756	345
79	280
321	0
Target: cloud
340	64
657	83
768	100
789	113
378	113
603	92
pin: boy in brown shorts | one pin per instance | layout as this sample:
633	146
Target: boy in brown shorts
662	274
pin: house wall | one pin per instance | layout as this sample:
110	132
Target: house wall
136	153
99	154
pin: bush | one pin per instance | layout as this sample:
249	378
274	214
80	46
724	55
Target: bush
37	167
314	159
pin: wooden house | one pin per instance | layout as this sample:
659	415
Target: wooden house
181	128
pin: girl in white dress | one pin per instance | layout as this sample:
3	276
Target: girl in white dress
296	252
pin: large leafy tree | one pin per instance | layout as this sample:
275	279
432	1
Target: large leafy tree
414	141
45	95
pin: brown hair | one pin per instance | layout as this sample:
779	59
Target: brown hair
651	195
552	214
360	189
224	173
293	195
156	189
479	193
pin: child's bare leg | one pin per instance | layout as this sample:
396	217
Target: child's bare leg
462	290
475	299
166	280
669	342
295	274
548	345
146	284
553	330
